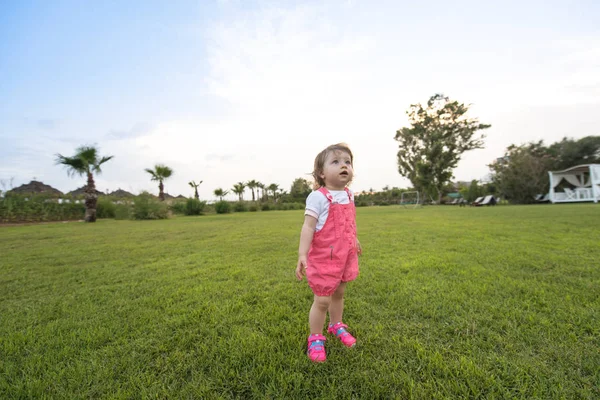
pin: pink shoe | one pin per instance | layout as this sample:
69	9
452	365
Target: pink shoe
316	348
340	331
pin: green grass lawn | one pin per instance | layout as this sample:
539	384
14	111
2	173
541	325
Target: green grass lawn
491	303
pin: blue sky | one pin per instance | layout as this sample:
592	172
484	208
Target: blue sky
228	91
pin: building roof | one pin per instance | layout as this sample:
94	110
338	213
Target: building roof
575	169
121	193
81	191
36	187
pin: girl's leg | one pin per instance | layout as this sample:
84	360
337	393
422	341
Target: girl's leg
318	312
336	308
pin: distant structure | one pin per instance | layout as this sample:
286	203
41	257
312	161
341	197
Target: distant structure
121	193
575	184
36	187
81	192
503	160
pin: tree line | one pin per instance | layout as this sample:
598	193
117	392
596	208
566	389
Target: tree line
87	161
522	172
440	132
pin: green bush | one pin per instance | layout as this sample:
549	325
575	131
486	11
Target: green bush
146	206
240	207
105	208
265	207
122	211
178	207
38	208
299	206
70	211
194	207
222	207
290	206
253	207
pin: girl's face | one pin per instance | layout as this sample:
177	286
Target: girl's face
337	171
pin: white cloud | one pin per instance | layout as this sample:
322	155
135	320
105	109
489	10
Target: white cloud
138	129
298	80
287	82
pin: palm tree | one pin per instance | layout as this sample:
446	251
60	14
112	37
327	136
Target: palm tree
85	161
195	186
160	173
273	187
253	185
238	189
220	193
261	186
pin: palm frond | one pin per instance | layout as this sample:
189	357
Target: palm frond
151	172
160	172
88	154
105	159
163	171
74	165
97	165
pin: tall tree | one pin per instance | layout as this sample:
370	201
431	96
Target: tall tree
273	188
473	191
195	186
432	146
571	152
522	173
253	184
160	173
85	161
238	189
260	186
300	189
220	193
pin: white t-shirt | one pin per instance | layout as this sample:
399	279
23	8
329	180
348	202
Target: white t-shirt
317	205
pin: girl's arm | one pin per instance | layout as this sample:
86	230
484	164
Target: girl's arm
306	237
358	246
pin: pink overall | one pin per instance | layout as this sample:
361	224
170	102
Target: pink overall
332	257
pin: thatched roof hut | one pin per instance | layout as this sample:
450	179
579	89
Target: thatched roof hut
81	192
121	193
36	187
181	197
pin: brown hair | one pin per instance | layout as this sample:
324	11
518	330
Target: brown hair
320	162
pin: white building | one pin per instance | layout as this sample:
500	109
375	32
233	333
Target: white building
584	178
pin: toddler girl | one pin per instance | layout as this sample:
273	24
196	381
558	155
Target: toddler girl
329	249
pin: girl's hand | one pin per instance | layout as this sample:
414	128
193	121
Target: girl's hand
358	248
301	268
